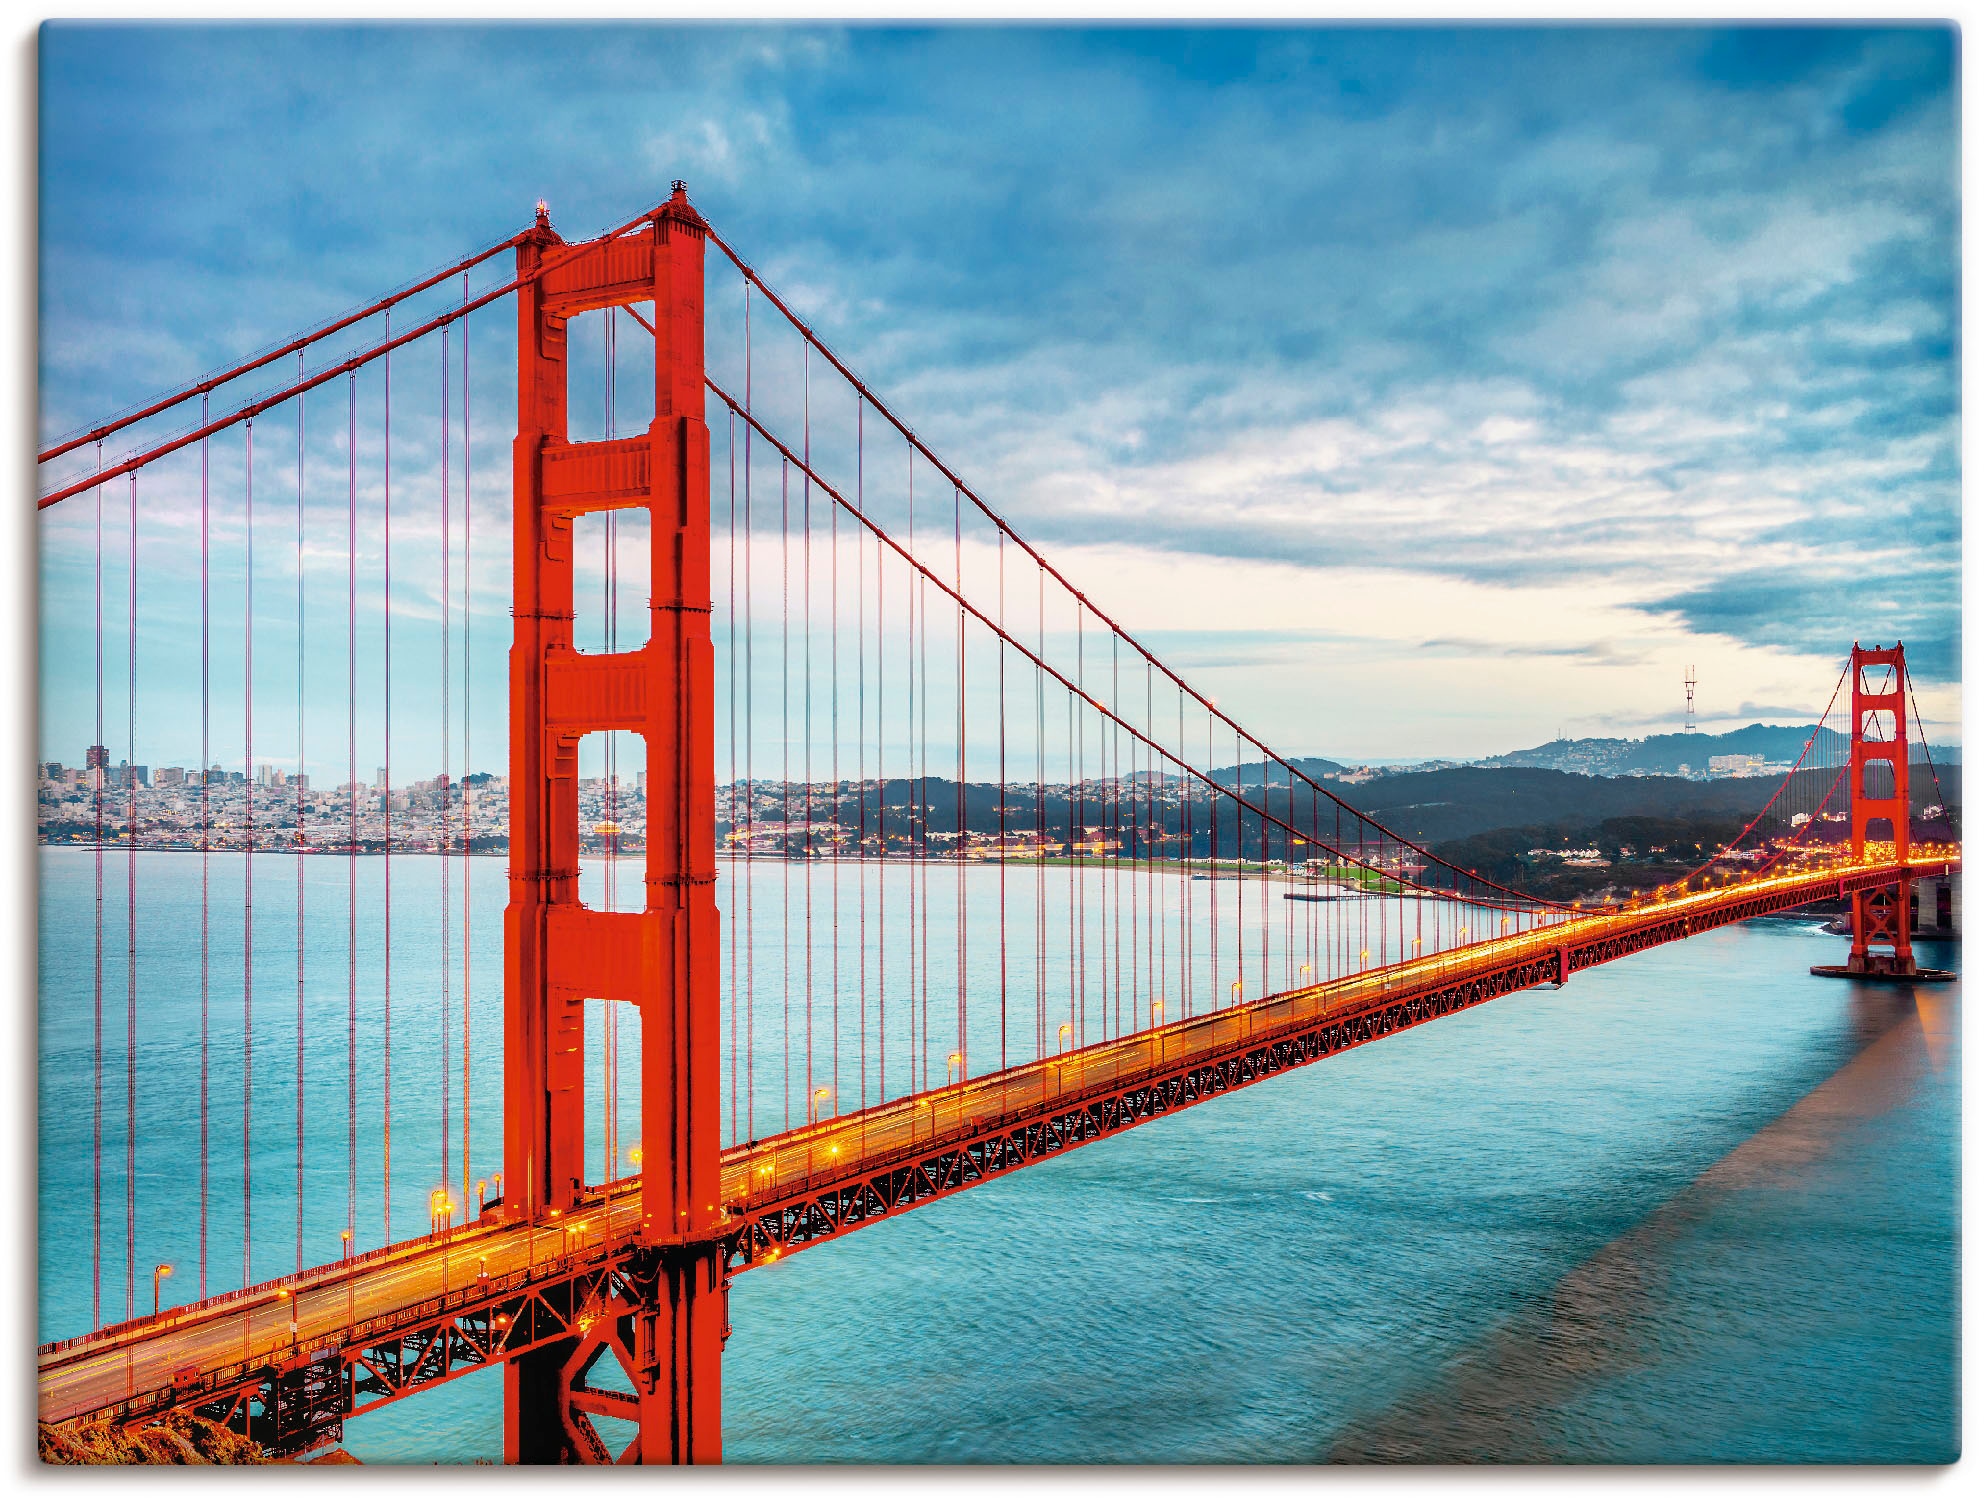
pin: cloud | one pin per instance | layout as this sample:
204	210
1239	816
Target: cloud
1661	316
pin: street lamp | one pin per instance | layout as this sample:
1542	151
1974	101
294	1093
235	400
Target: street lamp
634	1157
1236	992
1157	1012
813	1103
345	1236
1065	1029
954	1064
159	1273
481	1194
440	1211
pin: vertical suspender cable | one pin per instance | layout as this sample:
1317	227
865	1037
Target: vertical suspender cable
206	826
611	1025
445	786
301	834
785	781
610	640
861	755
730	663
881	790
833	780
1240	873
351	798
1078	717
98	772
957	571
468	827
248	870
750	787
131	932
731	864
386	798
1114	769
920	630
1002	803
1215	983
1042	819
916	786
806	757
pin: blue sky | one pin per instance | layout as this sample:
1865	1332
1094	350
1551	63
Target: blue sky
1421	392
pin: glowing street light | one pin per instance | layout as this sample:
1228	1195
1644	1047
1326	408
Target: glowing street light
344	1236
819	1094
1065	1029
953	1064
1157	1012
440	1210
634	1157
159	1273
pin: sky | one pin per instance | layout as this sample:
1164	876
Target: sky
1419	393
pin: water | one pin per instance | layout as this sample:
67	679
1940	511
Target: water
1696	1206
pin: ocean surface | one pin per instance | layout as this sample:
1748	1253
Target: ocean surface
1697	1206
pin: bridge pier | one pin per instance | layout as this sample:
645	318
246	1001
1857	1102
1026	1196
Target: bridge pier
662	1320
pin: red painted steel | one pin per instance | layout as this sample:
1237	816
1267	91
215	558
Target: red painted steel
1881	917
559	954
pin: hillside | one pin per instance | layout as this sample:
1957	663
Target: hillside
1666	754
1455	804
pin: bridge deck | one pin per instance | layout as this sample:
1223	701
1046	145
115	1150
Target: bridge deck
811	1184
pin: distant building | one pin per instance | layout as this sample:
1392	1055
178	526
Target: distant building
1734	765
171	775
96	758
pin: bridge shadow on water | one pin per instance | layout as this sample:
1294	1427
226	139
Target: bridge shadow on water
1566	1379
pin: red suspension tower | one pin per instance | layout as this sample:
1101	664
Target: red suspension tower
665	1322
1879	776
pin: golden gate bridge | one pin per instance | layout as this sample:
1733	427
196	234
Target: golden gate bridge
1025	850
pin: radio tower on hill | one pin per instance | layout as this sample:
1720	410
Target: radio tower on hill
1688	723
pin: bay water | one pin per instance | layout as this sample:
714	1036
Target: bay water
1697	1206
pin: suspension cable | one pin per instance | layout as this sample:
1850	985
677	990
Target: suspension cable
918	445
923	575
